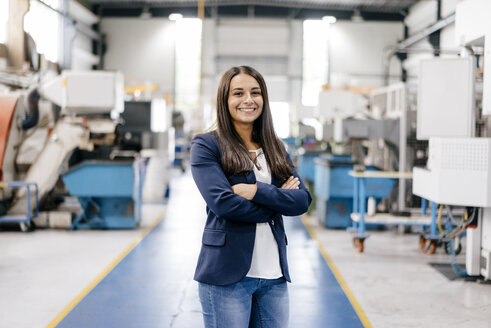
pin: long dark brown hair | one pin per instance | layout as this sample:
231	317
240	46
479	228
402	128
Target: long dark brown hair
235	155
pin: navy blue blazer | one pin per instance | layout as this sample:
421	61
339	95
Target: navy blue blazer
230	230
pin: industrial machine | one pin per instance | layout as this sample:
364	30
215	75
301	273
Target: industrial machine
372	130
334	190
110	193
90	102
453	113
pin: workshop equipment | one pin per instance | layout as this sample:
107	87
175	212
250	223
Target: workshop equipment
109	192
334	189
24	219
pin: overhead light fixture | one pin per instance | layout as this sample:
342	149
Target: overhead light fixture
146	14
329	19
356	17
175	16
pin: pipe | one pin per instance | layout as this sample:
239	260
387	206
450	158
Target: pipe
31	118
80	27
427	31
402	46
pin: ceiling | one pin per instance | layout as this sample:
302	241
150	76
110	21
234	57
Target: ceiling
381	10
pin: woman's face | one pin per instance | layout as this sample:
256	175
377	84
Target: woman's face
245	99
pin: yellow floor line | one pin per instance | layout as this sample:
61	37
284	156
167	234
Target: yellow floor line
359	311
105	272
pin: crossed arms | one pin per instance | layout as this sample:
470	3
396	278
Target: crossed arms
254	203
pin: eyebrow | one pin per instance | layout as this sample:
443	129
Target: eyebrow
243	88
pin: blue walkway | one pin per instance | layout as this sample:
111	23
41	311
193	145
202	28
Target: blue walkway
153	287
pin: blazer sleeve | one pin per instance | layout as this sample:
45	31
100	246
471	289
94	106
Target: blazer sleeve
289	202
216	190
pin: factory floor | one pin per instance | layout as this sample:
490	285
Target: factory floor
143	277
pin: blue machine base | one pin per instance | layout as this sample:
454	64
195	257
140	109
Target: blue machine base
335	213
106	223
106	213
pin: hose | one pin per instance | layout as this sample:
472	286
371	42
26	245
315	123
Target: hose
453	259
31	117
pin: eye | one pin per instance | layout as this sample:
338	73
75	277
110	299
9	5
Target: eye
256	93
238	93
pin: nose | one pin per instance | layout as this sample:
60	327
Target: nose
248	98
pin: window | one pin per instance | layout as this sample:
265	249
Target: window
43	24
4	16
315	60
280	112
159	115
188	63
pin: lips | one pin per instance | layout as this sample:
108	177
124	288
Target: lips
247	110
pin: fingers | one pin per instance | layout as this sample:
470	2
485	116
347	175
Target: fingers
295	183
287	181
285	184
291	183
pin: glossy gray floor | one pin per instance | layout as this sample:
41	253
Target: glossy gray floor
41	273
396	286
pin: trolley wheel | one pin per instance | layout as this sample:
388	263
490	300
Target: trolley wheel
429	247
359	244
422	242
26	226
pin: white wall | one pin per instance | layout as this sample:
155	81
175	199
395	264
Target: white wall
261	43
143	50
252	37
357	50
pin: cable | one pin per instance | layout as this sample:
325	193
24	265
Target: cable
453	259
460	227
451	236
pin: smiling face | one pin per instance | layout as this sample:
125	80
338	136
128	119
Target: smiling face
245	100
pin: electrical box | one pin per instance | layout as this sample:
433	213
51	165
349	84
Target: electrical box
457	173
446	98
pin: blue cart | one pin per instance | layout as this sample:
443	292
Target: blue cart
25	221
361	191
109	192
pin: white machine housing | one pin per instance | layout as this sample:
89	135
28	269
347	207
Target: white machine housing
473	28
340	104
86	92
457	173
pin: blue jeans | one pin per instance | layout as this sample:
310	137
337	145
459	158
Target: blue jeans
251	302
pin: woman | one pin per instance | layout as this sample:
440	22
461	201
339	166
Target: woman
248	182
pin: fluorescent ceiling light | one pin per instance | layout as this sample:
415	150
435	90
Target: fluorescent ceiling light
175	16
329	19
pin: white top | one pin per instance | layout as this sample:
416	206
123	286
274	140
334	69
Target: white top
265	257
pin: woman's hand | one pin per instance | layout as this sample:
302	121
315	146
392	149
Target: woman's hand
291	183
245	190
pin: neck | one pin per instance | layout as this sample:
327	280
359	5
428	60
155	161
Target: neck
245	133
